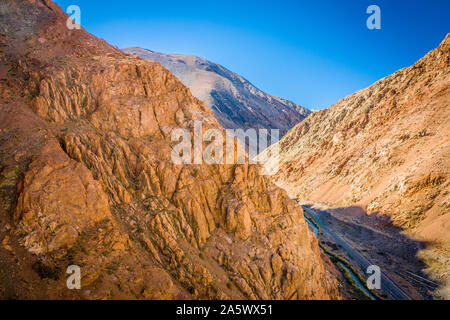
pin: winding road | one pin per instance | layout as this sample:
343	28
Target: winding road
388	286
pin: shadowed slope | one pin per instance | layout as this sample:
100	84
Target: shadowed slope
386	149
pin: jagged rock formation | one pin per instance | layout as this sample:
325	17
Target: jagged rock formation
86	178
386	149
236	103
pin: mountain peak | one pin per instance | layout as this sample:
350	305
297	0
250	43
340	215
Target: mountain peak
236	103
384	149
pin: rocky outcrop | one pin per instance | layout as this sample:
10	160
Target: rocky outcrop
87	179
236	103
58	201
385	149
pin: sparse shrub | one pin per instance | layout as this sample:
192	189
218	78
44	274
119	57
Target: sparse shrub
111	268
423	133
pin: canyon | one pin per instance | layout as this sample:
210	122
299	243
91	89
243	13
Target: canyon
88	178
377	162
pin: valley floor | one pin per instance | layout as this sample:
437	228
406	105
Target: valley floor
359	245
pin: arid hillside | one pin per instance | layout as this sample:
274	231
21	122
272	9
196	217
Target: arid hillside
385	150
236	103
86	178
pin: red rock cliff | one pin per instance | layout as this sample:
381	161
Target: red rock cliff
86	178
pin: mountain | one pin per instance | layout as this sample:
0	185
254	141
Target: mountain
236	103
87	179
386	151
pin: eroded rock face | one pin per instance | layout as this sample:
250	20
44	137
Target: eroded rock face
58	201
385	149
87	179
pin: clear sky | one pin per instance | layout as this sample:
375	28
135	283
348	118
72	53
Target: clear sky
313	52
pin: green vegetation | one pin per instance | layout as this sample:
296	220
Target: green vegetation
337	259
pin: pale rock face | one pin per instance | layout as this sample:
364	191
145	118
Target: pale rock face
236	103
385	149
86	149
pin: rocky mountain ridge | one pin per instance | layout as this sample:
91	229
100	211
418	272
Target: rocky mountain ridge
236	103
385	151
86	178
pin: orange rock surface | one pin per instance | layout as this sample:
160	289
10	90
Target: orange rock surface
86	178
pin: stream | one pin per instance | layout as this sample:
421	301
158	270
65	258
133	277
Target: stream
356	280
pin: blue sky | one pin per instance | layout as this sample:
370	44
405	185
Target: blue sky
311	52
